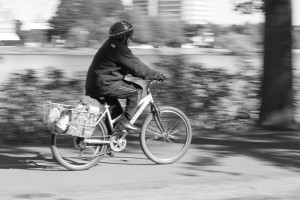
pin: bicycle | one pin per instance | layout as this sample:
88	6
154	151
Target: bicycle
165	136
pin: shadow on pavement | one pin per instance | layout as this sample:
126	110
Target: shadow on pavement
19	158
127	160
30	156
280	149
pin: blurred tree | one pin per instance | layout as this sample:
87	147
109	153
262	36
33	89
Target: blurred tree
78	36
191	30
65	18
277	89
166	31
19	32
249	6
143	31
92	15
240	39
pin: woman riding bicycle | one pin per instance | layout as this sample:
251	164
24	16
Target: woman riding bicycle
106	74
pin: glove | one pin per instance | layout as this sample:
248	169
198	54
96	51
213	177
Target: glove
162	77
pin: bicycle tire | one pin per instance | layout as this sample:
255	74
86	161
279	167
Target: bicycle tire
67	153
178	135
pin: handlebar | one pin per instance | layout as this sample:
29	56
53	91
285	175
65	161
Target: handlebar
162	77
154	82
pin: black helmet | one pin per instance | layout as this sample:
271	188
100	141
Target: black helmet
120	29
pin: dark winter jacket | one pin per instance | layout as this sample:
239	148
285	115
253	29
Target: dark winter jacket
111	63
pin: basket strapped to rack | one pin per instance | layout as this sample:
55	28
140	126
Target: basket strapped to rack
82	123
79	121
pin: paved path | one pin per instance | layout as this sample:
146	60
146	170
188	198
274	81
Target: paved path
217	167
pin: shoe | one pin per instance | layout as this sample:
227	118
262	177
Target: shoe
126	124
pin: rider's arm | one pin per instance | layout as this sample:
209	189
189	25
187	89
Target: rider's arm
136	67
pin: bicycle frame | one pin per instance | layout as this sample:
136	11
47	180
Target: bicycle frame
144	102
155	130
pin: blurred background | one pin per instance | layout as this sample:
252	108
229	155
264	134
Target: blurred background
211	51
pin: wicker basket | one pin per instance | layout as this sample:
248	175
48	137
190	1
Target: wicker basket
79	121
52	113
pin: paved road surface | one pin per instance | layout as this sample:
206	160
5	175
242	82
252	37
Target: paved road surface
217	167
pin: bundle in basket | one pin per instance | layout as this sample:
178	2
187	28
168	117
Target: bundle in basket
52	114
77	120
82	122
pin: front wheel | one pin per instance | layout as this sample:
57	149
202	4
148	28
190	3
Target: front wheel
166	139
72	153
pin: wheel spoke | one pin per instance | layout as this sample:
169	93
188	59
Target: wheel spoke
154	130
174	127
171	145
72	153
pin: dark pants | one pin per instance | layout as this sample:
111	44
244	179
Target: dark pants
130	91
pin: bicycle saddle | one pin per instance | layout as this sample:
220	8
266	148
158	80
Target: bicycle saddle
101	100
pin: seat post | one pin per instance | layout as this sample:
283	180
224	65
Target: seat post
101	100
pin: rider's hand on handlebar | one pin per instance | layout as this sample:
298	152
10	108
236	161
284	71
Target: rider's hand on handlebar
162	77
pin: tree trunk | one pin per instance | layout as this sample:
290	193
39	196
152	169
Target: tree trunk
277	91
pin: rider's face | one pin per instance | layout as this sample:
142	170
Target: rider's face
128	39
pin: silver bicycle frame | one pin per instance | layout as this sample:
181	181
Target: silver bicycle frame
144	102
141	107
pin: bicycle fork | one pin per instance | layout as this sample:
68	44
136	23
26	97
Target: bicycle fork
157	118
156	115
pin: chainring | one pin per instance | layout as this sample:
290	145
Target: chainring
117	144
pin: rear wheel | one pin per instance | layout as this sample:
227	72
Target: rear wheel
166	141
72	153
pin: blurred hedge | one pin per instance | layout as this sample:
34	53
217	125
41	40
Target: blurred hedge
23	97
212	98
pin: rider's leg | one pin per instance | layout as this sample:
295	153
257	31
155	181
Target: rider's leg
132	92
133	99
